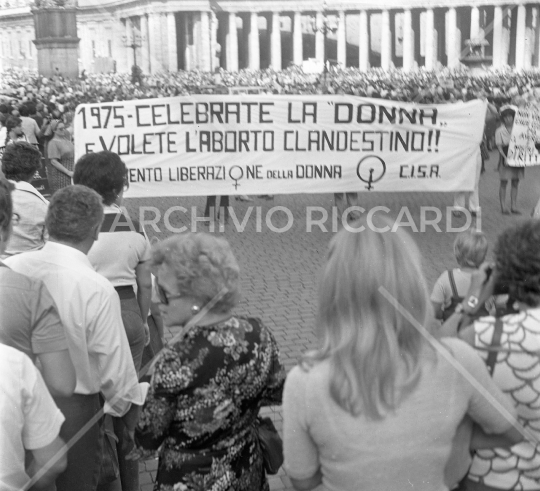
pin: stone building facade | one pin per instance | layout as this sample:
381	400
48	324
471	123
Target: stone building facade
163	35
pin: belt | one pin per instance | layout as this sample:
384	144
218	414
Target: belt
125	292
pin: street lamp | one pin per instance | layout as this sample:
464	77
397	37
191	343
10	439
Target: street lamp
134	42
328	25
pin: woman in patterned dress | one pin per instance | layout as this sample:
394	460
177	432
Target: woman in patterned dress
61	155
517	364
514	174
207	389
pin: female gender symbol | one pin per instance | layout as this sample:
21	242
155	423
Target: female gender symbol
235	179
371	162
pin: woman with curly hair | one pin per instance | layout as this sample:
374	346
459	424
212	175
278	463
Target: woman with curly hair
515	340
207	389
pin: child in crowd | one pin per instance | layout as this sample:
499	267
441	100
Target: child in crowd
470	249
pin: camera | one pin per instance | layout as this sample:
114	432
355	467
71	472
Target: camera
492	278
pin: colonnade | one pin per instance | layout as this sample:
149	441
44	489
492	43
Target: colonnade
205	40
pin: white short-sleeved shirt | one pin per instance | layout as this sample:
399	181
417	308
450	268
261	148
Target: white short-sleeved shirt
121	246
442	291
89	308
29	418
407	449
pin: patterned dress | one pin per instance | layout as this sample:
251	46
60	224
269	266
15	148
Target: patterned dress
202	407
517	373
62	150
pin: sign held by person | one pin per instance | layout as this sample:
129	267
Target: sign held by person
524	149
268	144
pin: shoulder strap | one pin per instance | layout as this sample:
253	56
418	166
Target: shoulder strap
453	283
495	343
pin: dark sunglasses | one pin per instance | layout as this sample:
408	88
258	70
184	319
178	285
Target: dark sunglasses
164	297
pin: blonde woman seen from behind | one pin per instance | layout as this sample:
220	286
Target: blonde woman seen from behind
376	407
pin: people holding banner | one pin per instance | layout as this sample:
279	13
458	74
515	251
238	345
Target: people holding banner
506	173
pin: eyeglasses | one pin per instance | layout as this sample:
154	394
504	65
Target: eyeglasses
164	297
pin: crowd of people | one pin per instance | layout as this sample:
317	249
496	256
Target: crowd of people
419	86
390	399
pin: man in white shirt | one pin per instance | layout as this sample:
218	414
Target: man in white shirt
90	311
29	420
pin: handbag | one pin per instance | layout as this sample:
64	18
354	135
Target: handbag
271	445
110	469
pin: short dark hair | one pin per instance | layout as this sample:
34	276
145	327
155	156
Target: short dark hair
23	110
517	258
74	212
104	172
12	122
20	161
6	205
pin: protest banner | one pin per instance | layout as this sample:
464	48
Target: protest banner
524	148
268	144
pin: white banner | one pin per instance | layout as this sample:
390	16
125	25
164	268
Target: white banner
268	144
524	149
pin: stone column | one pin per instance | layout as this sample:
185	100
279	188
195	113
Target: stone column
363	43
319	38
408	52
153	44
214	58
475	23
254	49
341	40
171	41
497	37
232	44
520	36
145	47
430	40
536	61
529	37
298	52
451	39
205	43
129	39
276	41
385	40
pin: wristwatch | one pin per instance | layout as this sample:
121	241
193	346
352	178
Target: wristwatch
471	303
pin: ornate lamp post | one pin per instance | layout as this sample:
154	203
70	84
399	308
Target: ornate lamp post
134	42
327	26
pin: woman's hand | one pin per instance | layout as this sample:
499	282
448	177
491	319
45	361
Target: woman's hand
69	173
146	334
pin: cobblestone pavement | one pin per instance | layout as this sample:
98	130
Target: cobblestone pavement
280	270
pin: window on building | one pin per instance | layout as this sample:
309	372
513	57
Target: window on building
30	44
22	52
109	45
93	49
